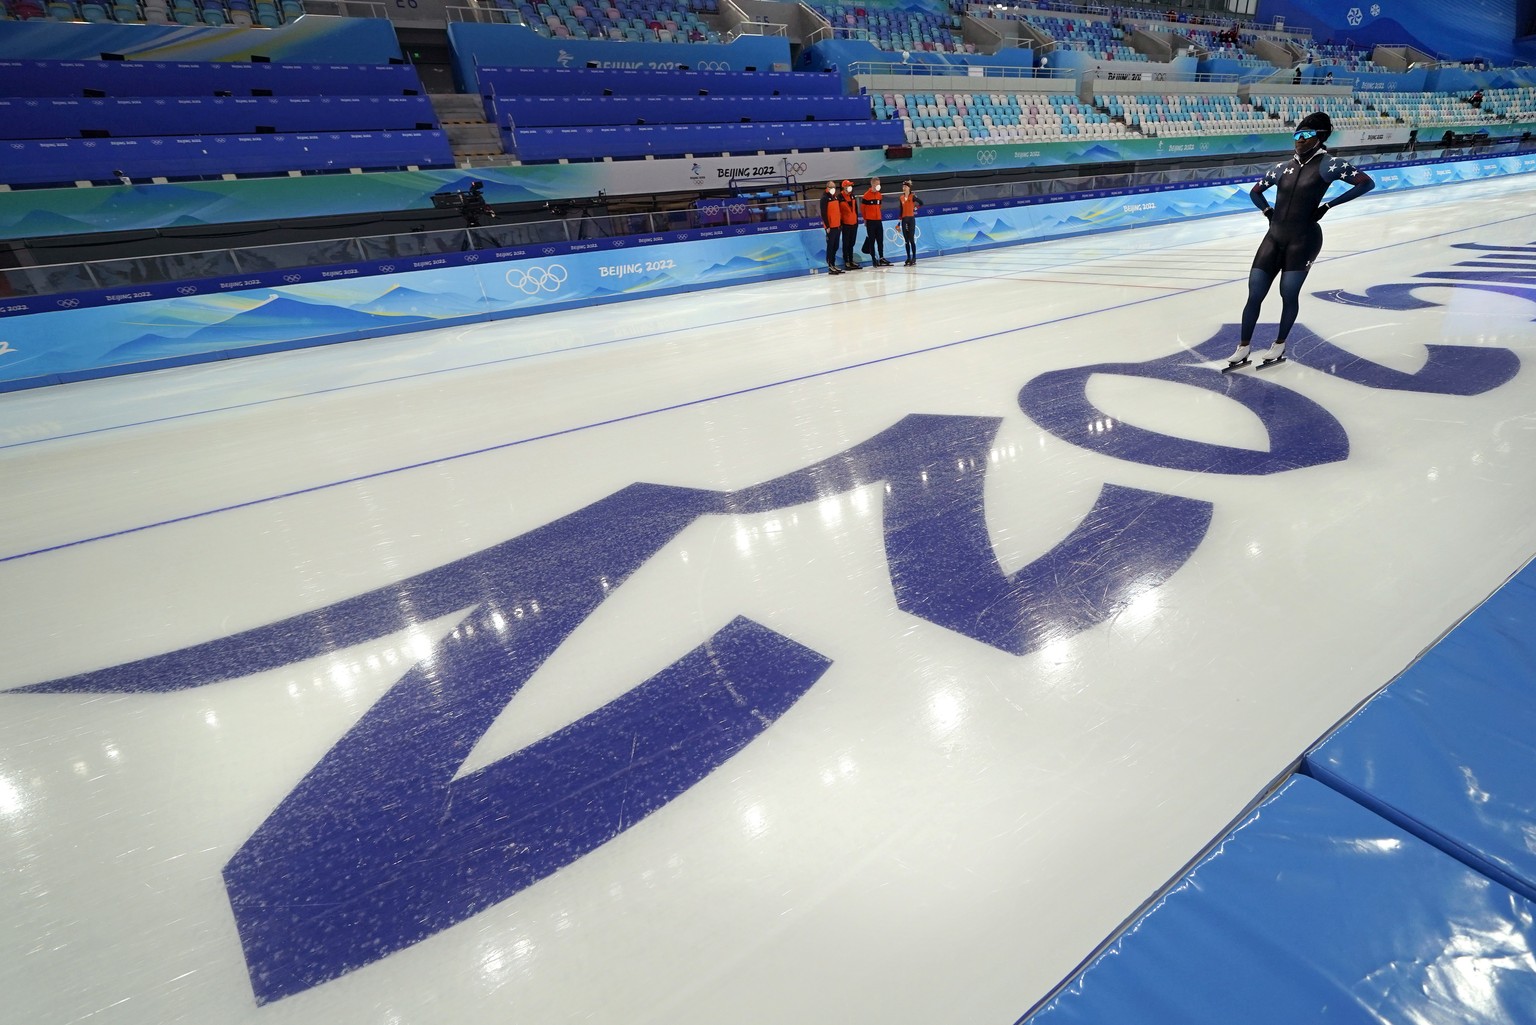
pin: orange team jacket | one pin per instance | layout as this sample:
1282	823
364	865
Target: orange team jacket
909	205
850	210
831	212
871	205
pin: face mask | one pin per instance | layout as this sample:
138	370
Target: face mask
877	188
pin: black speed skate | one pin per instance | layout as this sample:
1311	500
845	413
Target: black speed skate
1270	362
1236	364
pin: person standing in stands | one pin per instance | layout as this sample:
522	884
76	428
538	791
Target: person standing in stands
850	216
1294	237
909	205
874	224
832	221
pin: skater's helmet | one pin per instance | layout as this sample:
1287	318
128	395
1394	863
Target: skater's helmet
1317	122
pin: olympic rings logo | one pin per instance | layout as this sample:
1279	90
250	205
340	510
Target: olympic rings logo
893	233
533	280
69	304
986	156
186	290
797	167
291	279
386	268
713	66
471	258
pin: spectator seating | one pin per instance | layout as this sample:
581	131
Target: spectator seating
264	13
1338	55
1179	115
583	114
638	21
520	112
45	78
61	161
67	118
1094	36
1346	112
958	119
67	121
497	81
1209	44
595	143
1518	104
1431	110
891	28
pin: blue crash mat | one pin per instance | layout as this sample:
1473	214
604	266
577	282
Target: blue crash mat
1314	910
1449	749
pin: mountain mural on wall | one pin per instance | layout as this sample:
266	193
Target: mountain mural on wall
280	318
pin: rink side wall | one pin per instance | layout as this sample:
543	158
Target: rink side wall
55	339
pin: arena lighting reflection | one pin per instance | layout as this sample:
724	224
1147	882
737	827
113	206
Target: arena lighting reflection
946	710
13	799
1469	969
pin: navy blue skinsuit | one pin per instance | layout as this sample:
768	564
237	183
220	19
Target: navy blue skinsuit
1294	238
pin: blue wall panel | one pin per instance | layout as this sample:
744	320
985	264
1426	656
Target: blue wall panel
1485	28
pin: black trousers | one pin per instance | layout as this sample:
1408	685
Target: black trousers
874	234
850	236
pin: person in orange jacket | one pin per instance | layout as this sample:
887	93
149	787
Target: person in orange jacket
832	221
874	224
909	205
850	216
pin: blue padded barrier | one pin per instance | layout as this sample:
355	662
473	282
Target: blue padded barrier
577	111
62	161
204	78
594	143
1316	910
207	115
1448	750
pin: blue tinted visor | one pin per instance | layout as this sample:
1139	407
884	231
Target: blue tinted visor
1306	133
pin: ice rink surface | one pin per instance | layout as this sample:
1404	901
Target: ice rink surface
828	650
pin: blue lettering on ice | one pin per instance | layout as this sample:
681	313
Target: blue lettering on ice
380	846
423	850
1505	270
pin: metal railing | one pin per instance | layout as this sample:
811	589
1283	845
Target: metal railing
575	226
757	28
578	226
346	8
483	14
972	72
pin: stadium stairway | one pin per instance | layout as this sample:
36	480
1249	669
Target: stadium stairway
470	136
